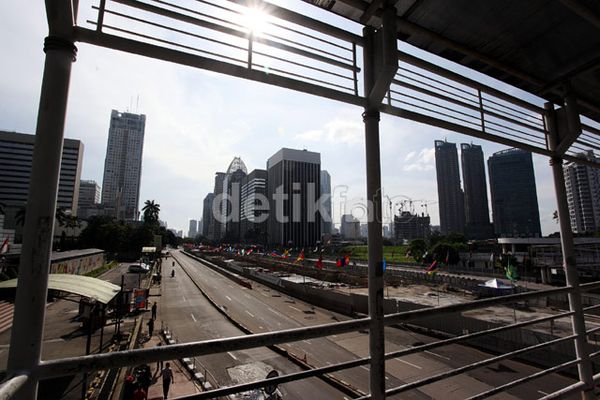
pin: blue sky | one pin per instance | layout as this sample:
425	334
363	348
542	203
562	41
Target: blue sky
197	121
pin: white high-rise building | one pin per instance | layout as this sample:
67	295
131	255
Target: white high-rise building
583	194
326	196
123	165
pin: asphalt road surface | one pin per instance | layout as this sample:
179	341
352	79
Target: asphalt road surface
262	309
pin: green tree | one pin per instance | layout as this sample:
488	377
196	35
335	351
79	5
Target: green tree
417	249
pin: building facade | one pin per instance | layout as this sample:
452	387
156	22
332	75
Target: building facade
193	228
207	213
253	207
294	187
583	194
123	165
477	212
326	215
214	226
450	195
408	226
350	227
230	205
16	159
514	198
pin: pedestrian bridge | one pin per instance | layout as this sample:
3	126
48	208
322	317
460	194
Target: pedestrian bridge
548	51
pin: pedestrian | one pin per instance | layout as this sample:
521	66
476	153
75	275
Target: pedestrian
139	393
154	306
128	387
159	364
145	378
167	379
150	327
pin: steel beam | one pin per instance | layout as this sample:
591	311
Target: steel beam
30	304
385	57
375	241
569	264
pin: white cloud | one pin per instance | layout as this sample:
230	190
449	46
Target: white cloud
423	162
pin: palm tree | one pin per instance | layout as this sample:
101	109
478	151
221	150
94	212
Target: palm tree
151	211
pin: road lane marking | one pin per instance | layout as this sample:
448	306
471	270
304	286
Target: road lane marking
232	356
294	308
194	318
260	327
307	341
542	393
249	313
408	363
387	378
247	296
365	367
437	355
228	298
230	286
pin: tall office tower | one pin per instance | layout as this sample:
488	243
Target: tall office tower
294	187
477	212
16	159
214	227
514	198
123	165
450	195
230	206
326	196
350	227
207	214
253	207
89	199
193	228
583	194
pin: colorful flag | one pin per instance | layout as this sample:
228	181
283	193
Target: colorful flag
319	263
511	272
300	256
274	254
347	259
432	269
286	253
384	265
448	256
4	248
338	262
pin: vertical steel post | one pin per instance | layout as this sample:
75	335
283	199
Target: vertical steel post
30	305
375	242
569	265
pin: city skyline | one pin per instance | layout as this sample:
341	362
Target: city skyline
189	122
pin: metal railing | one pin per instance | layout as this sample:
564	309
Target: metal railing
67	366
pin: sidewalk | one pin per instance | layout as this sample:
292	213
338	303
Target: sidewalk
183	384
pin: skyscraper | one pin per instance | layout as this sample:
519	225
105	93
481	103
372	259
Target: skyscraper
123	165
230	206
207	216
514	198
583	194
350	227
326	196
16	160
450	195
477	213
193	228
214	226
253	204
293	182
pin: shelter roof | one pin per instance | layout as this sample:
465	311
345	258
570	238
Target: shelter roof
92	288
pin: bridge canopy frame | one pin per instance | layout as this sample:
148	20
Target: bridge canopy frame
326	63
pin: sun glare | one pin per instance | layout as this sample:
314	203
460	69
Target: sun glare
255	20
